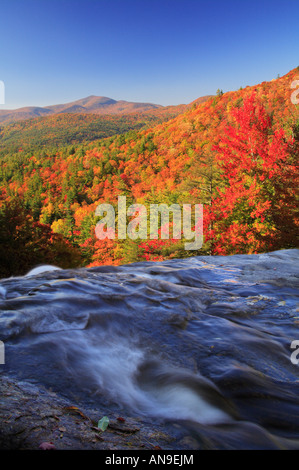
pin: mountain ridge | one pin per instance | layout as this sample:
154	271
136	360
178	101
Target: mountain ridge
98	105
89	105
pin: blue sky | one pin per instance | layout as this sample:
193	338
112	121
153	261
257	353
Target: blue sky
159	51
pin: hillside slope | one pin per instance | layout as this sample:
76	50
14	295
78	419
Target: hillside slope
68	128
236	153
71	125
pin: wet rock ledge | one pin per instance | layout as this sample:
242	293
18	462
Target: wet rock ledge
34	418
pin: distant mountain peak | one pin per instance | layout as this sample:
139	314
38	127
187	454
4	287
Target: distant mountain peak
91	104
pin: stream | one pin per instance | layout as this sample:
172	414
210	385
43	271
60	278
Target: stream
200	345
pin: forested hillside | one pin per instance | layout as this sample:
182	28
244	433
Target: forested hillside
52	132
236	153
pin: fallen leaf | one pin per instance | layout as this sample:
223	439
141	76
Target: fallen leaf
47	446
103	423
75	409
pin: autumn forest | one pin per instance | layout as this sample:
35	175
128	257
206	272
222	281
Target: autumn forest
236	153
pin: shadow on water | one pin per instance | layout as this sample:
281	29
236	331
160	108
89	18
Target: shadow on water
202	344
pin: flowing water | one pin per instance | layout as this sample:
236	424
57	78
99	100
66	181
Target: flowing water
202	343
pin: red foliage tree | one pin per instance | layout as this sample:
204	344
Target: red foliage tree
255	210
